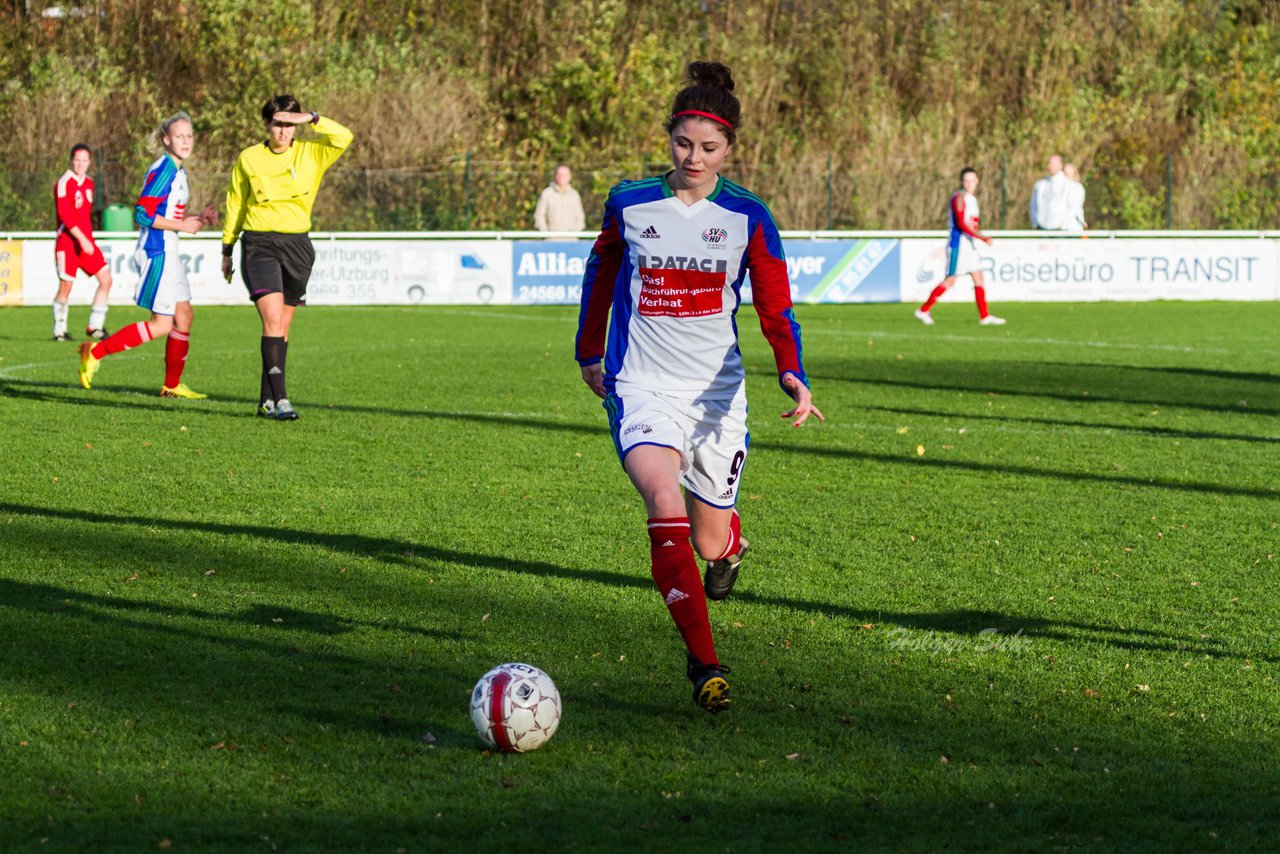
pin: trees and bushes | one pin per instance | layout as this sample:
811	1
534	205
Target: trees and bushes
859	114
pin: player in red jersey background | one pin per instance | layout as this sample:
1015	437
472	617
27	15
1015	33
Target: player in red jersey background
74	247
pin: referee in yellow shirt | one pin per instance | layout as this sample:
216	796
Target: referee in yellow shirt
273	188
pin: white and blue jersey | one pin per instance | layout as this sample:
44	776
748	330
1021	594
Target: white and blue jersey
962	243
164	193
162	278
671	275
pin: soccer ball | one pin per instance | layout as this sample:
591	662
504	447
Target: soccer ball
515	707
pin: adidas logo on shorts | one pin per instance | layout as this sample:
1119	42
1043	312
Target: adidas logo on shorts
650	232
676	595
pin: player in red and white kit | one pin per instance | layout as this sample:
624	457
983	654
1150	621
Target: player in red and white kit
74	247
962	251
668	266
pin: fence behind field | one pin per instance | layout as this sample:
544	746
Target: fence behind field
807	193
527	268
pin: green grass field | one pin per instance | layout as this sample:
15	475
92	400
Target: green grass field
224	633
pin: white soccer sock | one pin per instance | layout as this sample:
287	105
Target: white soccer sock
59	318
98	316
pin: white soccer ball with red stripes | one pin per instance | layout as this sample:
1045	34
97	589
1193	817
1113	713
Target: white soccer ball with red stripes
515	707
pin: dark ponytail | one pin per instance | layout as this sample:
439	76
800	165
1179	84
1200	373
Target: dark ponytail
710	90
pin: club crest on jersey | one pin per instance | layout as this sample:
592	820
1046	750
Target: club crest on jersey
715	238
79	199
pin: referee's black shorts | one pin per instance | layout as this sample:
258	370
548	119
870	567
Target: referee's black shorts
276	263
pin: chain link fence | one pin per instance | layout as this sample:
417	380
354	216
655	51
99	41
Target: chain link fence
466	193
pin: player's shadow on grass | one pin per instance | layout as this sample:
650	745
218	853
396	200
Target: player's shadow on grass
277	618
1121	481
107	398
959	622
1137	430
1088	386
1211	373
115	644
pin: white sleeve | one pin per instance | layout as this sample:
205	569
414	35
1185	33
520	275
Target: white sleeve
1076	219
1062	206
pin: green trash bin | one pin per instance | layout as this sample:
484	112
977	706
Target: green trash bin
118	218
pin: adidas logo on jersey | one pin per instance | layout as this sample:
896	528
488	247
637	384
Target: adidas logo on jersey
676	595
650	233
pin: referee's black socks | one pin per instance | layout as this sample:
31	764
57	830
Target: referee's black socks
274	351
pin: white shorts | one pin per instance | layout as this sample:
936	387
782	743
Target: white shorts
162	282
962	256
710	436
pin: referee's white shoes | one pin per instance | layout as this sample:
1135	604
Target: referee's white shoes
992	320
926	318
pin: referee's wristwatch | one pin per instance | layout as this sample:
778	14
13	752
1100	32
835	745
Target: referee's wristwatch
315	117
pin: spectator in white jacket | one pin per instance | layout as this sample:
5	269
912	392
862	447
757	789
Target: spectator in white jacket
1049	198
1075	200
560	206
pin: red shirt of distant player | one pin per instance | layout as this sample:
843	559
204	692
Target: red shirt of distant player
73	198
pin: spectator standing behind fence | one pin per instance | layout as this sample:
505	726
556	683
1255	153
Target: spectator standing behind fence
1074	205
1048	199
560	206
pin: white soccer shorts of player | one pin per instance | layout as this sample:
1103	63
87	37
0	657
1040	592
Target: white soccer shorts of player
962	251
662	287
162	289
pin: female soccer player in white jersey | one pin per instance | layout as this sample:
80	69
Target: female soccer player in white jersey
670	262
163	289
962	251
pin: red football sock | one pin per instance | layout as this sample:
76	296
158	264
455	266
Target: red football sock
980	297
933	297
126	339
175	357
735	536
675	571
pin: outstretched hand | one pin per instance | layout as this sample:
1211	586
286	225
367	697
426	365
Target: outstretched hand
593	376
209	216
804	400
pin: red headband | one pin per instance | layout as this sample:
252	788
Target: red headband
711	116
